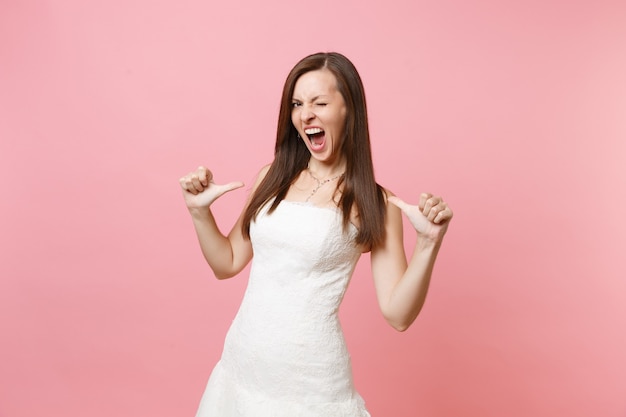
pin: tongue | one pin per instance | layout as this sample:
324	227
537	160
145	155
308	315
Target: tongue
318	139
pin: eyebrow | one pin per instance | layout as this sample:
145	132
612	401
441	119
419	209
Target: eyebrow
313	98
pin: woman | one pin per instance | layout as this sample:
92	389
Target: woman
310	215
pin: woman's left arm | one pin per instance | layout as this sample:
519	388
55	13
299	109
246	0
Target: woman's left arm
401	288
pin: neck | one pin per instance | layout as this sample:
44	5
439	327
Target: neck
322	171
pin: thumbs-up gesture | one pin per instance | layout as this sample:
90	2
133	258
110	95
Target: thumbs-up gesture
430	217
200	191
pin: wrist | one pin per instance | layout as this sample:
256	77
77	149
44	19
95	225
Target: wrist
200	212
425	242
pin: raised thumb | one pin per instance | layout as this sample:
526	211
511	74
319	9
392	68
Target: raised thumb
396	201
231	186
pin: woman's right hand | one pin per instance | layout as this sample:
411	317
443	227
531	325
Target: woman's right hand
200	191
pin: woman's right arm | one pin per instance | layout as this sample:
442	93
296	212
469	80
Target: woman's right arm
226	255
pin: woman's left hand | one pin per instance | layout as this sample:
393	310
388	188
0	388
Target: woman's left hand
430	217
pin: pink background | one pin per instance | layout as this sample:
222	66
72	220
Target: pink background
514	111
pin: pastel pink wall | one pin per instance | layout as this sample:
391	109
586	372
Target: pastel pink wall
514	111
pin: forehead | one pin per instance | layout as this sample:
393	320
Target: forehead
315	83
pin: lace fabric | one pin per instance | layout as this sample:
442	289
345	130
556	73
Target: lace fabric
285	354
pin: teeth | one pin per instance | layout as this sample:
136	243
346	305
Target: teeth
313	131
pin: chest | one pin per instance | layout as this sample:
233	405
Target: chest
304	233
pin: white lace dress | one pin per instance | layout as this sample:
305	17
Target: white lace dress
285	354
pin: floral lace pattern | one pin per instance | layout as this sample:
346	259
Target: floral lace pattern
285	354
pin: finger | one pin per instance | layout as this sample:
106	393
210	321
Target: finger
423	198
232	186
188	187
434	212
398	202
224	188
204	175
195	184
431	203
443	216
187	184
428	205
183	183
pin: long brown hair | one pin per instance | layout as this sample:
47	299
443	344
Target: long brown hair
291	155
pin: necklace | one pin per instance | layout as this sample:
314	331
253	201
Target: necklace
319	183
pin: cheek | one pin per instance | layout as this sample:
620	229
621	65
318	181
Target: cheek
341	124
341	119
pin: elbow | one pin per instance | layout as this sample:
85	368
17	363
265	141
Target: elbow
398	323
401	323
224	271
400	326
222	275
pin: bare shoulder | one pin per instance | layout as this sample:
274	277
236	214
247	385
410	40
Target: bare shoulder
261	175
393	214
263	171
386	194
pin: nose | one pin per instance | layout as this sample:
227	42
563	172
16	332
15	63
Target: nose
306	113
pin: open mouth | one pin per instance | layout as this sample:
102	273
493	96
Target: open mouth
316	136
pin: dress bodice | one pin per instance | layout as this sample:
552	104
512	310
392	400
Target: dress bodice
285	354
303	252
